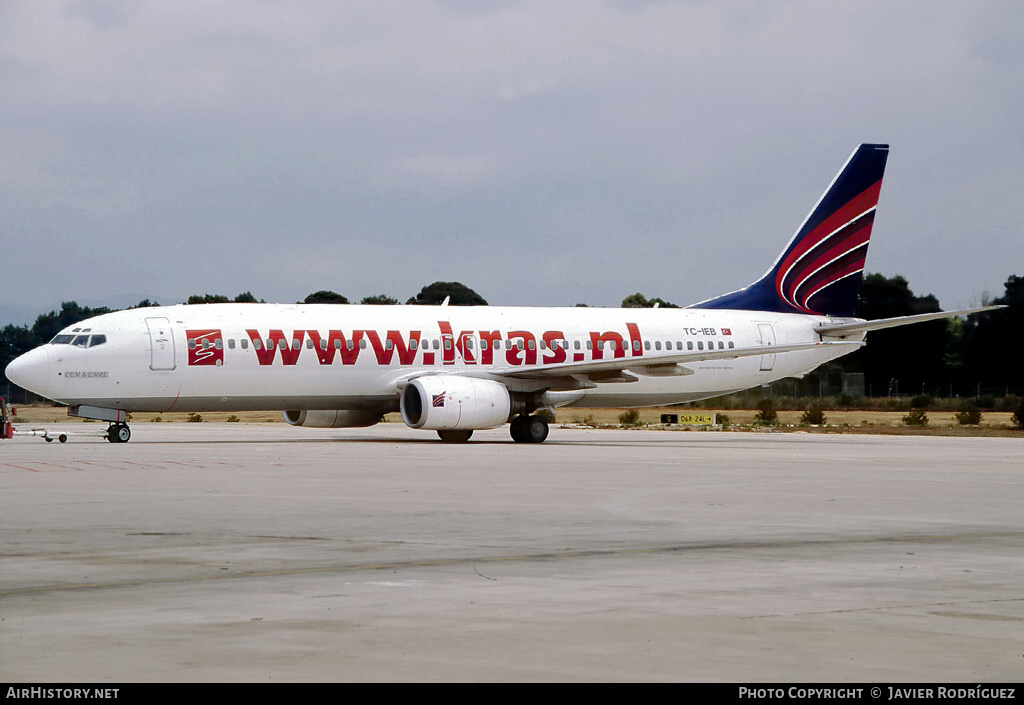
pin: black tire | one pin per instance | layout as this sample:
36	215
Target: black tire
455	436
536	429
119	433
517	429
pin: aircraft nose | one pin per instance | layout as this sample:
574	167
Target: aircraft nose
31	371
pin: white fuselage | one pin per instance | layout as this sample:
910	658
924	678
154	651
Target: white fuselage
326	356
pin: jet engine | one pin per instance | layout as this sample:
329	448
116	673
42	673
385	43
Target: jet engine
332	419
449	402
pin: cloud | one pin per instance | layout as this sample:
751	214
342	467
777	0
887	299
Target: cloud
556	151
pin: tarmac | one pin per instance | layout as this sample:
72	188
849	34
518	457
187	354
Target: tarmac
266	553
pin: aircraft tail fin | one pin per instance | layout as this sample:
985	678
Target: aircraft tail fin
821	268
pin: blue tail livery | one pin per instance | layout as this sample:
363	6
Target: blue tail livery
821	268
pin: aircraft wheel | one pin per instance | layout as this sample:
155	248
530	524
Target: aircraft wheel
455	436
119	433
536	429
517	429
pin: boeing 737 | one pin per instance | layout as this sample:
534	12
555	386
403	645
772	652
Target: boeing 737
457	369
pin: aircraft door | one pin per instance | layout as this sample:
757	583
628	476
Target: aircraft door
161	344
767	338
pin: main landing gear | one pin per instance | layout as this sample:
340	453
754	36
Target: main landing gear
119	433
529	429
524	429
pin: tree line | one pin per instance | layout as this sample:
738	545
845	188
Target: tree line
979	355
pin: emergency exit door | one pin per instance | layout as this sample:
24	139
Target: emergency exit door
767	338
161	344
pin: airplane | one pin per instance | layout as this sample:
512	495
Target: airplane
456	369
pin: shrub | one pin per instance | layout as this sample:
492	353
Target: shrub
921	401
723	420
194	418
1018	415
766	413
916	417
630	418
968	414
814	416
232	419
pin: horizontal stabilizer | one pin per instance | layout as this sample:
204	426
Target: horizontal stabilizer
838	330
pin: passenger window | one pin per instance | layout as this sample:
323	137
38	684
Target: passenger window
257	344
388	344
412	343
647	345
689	345
191	343
309	343
731	346
531	344
206	344
296	344
700	345
657	345
245	344
721	345
219	344
447	343
362	345
231	343
636	345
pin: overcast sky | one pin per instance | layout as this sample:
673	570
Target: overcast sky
541	152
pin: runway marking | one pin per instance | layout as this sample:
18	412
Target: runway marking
526	557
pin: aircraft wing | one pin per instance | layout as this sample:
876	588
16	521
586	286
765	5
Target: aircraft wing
858	326
625	369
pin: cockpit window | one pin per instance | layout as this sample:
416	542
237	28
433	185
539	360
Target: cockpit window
81	341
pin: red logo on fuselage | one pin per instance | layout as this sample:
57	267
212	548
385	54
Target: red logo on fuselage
205	347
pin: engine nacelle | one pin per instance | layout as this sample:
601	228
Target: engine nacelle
448	402
332	419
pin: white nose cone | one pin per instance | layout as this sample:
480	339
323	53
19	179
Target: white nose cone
31	371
